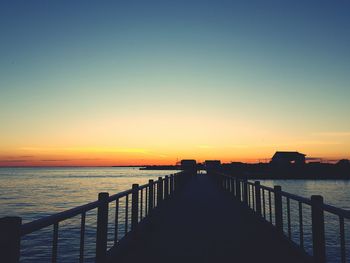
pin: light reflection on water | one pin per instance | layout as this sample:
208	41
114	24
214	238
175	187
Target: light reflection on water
36	192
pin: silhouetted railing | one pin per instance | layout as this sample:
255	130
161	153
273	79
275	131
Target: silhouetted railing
267	203
144	199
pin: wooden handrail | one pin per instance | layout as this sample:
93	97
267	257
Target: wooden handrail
317	212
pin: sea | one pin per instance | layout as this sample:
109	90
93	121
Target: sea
33	193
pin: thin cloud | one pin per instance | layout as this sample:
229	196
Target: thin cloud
319	142
69	160
333	134
54	160
242	146
204	146
13	161
87	149
18	157
314	158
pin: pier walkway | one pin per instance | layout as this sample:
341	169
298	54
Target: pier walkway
203	223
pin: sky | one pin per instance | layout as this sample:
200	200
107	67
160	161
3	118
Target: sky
153	82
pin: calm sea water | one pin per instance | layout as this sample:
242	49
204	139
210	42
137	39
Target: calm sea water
36	192
33	193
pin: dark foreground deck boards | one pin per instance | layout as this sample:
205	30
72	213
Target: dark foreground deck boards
202	223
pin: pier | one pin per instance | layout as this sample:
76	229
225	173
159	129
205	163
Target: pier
190	217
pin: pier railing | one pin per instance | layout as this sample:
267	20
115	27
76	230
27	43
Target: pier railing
267	203
144	199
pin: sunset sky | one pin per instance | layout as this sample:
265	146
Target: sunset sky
150	82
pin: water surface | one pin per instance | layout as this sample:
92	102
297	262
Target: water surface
33	193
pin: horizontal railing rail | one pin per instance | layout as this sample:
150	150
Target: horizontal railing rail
140	201
267	203
41	223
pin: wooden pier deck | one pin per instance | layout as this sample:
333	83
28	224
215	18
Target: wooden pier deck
203	223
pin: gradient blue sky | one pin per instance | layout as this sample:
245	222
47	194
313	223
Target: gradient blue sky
160	80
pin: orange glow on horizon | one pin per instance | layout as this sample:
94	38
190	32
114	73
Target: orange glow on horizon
103	156
163	139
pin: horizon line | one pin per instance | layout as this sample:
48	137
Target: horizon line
133	165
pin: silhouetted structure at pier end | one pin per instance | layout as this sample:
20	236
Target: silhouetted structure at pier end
284	165
188	165
289	165
210	165
285	158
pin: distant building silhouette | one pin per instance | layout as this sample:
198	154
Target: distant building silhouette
212	164
188	164
283	158
343	162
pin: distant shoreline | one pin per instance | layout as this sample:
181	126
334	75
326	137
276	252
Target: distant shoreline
260	171
147	167
73	166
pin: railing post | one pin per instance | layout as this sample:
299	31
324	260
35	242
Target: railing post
180	179
166	187
176	182
238	189
10	239
134	206
245	192
160	190
102	228
150	195
171	184
257	197
278	208
318	232
232	186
